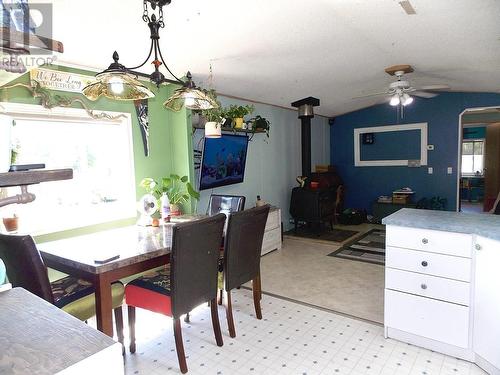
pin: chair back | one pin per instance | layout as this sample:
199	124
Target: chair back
194	263
25	267
243	245
225	204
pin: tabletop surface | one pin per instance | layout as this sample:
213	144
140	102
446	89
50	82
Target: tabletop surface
38	338
486	225
133	244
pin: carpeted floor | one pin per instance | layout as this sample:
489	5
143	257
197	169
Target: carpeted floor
370	247
333	235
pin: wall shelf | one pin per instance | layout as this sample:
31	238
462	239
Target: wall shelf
233	130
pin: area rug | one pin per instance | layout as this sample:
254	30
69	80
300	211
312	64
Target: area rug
370	247
333	235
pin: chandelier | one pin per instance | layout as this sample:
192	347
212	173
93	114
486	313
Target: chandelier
121	83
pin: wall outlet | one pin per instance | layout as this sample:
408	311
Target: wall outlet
430	170
450	170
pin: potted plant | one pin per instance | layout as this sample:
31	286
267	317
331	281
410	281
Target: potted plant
260	123
237	112
178	189
214	117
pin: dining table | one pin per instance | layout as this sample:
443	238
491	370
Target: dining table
110	255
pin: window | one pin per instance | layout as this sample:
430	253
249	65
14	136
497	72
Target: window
100	154
473	157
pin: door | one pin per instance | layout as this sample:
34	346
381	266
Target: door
486	339
491	165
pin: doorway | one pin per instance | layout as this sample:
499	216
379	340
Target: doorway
478	182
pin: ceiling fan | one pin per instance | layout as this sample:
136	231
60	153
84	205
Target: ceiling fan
399	91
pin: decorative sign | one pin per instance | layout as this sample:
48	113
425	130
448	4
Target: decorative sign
62	81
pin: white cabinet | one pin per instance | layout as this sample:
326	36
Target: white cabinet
272	234
486	336
442	292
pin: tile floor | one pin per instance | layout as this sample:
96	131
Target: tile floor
291	339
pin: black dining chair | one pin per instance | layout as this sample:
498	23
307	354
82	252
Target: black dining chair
225	204
188	281
26	269
241	262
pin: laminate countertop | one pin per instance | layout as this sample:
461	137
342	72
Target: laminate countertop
38	338
485	225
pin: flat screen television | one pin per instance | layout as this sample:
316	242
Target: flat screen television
223	161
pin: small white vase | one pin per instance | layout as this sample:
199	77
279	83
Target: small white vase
5	142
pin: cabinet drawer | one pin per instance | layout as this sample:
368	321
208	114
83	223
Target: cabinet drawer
436	320
429	263
428	286
458	244
273	220
271	241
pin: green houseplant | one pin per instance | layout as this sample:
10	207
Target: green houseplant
178	189
260	123
237	112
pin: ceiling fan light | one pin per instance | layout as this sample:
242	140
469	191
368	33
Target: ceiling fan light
395	100
117	86
406	99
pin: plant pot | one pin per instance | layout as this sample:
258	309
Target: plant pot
212	130
11	223
175	210
238	122
5	142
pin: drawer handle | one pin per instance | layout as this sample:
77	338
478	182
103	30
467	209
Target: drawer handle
478	247
423	286
424	263
425	241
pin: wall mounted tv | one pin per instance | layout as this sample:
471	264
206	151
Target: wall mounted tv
223	161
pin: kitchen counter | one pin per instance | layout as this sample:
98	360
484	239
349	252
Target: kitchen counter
485	225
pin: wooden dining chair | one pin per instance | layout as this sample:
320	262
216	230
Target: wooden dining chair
188	281
26	269
241	262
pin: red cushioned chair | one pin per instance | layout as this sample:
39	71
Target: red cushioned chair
188	281
241	263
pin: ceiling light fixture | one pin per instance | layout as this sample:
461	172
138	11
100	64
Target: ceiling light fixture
121	83
395	100
406	99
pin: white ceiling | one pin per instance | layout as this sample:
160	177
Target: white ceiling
278	51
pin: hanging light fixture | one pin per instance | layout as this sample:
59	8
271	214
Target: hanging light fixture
406	99
121	83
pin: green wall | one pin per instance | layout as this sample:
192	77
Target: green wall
170	139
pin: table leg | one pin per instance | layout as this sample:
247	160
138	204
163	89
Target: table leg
103	305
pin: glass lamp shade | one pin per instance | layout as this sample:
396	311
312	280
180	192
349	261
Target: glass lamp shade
406	100
213	130
395	100
192	98
117	86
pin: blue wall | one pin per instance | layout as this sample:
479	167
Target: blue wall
365	184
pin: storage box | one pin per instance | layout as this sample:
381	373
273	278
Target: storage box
399	198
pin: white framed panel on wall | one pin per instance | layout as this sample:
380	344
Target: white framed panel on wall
384	129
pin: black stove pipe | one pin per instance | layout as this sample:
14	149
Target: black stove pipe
306	113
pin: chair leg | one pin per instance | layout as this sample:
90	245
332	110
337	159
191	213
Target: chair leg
186	318
179	346
215	322
257	295
229	315
119	323
131	327
221	296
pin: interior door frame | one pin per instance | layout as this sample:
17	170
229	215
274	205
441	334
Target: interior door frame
459	148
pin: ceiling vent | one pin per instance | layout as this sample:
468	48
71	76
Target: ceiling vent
407	7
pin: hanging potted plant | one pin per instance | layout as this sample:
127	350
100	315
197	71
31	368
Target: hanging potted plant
260	123
237	112
213	117
178	190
